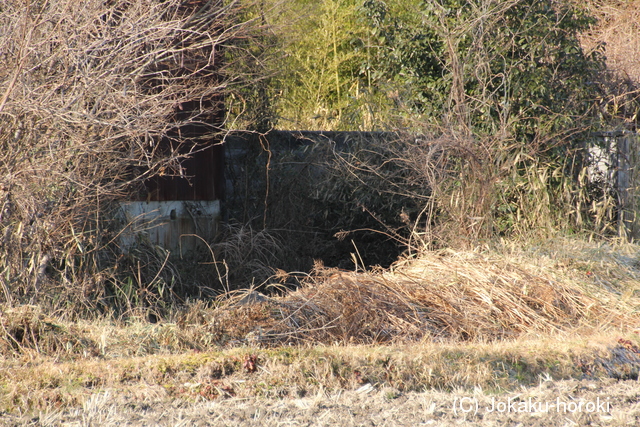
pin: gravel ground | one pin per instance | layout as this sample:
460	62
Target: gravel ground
552	403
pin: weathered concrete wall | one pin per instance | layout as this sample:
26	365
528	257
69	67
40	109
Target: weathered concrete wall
286	181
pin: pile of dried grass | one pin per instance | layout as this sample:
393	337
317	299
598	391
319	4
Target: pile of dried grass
616	30
440	296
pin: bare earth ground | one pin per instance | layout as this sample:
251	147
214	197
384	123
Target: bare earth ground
551	403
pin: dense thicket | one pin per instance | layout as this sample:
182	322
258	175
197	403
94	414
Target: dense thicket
374	65
491	102
88	90
503	94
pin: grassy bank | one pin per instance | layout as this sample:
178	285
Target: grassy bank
46	384
497	318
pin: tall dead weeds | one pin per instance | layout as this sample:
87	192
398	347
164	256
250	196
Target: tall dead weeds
97	100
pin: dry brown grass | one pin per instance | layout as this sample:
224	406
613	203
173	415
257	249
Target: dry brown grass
46	384
245	256
618	29
27	330
449	295
493	318
557	288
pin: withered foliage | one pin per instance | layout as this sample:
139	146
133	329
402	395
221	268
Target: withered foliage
97	98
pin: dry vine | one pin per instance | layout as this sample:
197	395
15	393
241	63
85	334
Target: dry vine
94	100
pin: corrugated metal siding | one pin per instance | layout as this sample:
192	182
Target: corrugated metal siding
197	123
171	225
185	200
204	178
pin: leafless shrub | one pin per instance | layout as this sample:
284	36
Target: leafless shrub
89	91
422	190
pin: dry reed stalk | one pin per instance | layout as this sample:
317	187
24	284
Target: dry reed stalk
617	30
248	255
438	296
